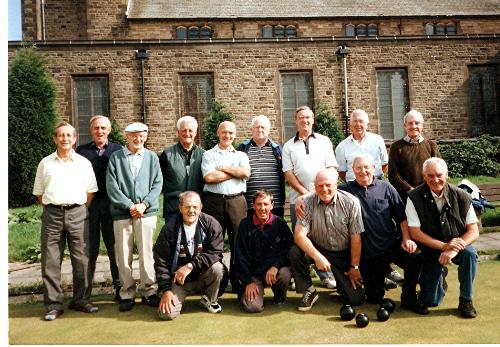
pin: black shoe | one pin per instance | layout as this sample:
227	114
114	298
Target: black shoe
126	304
279	297
389	284
152	300
87	307
308	300
445	273
466	308
117	294
414	305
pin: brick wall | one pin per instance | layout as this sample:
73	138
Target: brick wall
247	79
66	19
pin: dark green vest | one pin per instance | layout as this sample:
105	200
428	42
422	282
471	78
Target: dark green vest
448	224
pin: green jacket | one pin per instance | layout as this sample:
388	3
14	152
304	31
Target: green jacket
124	190
175	178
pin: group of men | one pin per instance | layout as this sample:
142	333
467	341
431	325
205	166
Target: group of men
351	235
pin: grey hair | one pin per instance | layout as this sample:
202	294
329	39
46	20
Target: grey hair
434	161
360	112
188	120
413	113
63	124
302	108
331	173
97	117
366	157
263	119
188	194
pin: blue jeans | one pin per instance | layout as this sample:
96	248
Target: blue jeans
431	278
293	218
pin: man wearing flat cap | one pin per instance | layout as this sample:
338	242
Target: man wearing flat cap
133	182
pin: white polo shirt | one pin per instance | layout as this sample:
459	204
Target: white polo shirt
371	144
306	159
64	182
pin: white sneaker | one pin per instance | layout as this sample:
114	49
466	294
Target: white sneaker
211	307
329	282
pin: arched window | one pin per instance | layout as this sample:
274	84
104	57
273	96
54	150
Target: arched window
206	32
429	29
291	31
267	31
193	33
372	30
451	28
361	30
440	30
181	33
279	31
350	30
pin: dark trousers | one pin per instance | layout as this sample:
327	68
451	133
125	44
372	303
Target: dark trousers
229	213
58	227
374	270
277	211
340	262
100	222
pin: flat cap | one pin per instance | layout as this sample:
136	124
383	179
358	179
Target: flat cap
135	127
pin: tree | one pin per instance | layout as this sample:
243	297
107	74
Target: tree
326	124
116	134
32	118
212	121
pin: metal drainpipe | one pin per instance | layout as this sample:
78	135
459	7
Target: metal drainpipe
344	51
44	33
142	55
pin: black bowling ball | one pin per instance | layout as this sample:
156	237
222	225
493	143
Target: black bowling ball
388	304
382	314
347	312
362	320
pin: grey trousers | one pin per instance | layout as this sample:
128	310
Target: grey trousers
58	227
340	263
208	283
281	285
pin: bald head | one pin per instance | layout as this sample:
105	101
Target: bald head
226	133
325	185
359	123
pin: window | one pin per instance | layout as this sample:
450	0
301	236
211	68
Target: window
451	29
361	30
291	31
484	93
440	29
372	30
429	29
206	32
392	100
350	30
90	98
196	97
279	31
193	33
181	33
297	90
267	31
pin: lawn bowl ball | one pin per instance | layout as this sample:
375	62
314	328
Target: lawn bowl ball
382	314
362	320
347	312
388	304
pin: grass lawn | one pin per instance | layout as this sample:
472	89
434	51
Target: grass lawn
276	325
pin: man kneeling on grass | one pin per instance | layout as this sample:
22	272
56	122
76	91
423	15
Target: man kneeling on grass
188	254
261	254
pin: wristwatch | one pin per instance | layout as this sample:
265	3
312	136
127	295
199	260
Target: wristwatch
355	267
190	266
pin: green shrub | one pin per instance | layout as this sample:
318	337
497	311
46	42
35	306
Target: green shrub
116	134
32	117
473	158
212	121
326	123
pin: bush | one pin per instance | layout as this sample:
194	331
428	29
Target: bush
326	123
32	118
473	158
116	134
212	121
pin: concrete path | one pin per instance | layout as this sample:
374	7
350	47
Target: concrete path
25	277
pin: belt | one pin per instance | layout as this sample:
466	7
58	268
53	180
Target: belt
63	207
224	196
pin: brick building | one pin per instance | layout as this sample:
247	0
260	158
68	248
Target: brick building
268	57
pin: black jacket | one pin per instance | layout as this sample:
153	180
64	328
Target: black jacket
167	248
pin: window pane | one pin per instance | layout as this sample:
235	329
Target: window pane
291	31
451	29
372	30
279	31
392	102
350	30
91	98
429	29
206	33
267	31
440	29
296	91
193	33
181	33
483	100
361	30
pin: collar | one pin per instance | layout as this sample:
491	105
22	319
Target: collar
69	159
128	152
185	150
94	145
268	143
220	150
257	222
296	138
409	140
374	183
362	139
